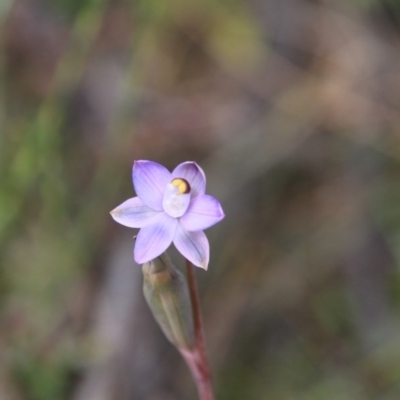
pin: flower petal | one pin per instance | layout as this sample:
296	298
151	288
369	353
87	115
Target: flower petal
150	180
203	212
154	239
190	171
133	213
193	246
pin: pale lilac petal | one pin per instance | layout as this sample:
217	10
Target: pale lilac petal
133	213
203	211
193	246
190	171
155	238
150	180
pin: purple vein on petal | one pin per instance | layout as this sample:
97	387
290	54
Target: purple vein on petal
193	246
155	238
150	180
203	211
133	213
190	171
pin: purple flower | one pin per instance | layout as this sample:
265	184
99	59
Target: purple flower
170	208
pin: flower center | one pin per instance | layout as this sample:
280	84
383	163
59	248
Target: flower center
182	185
176	197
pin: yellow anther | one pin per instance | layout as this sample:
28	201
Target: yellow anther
182	185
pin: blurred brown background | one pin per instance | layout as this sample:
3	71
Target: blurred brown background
292	107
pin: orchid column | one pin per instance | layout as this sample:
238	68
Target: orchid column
173	208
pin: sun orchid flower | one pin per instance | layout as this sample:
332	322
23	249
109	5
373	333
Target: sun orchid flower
170	208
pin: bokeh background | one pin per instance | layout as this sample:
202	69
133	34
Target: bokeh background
292	107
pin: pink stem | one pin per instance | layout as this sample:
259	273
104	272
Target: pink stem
196	358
